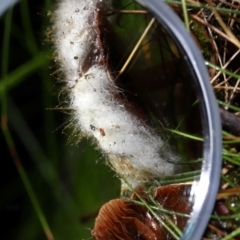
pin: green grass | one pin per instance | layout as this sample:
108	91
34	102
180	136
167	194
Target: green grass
54	187
56	183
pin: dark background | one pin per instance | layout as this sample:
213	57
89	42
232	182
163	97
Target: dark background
70	180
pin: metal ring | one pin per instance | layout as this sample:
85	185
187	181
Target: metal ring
207	187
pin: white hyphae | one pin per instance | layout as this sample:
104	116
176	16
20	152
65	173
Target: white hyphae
133	148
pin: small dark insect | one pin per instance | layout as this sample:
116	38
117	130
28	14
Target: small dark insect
92	127
102	132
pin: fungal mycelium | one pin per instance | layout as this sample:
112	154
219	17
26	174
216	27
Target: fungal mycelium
100	108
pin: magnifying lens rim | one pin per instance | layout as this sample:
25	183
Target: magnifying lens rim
5	5
206	188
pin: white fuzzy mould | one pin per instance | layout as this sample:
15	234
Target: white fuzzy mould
74	27
133	148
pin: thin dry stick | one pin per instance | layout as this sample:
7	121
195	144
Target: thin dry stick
229	88
198	13
229	4
215	46
231	138
226	84
234	40
135	48
234	90
224	67
233	18
226	92
228	192
230	77
129	11
194	2
232	21
211	15
220	33
216	230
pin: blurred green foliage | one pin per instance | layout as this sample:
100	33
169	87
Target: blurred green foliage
70	180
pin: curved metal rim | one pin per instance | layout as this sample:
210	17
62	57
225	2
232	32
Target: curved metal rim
207	187
5	5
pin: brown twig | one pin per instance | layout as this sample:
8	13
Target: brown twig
129	11
230	121
216	30
234	40
136	48
217	231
